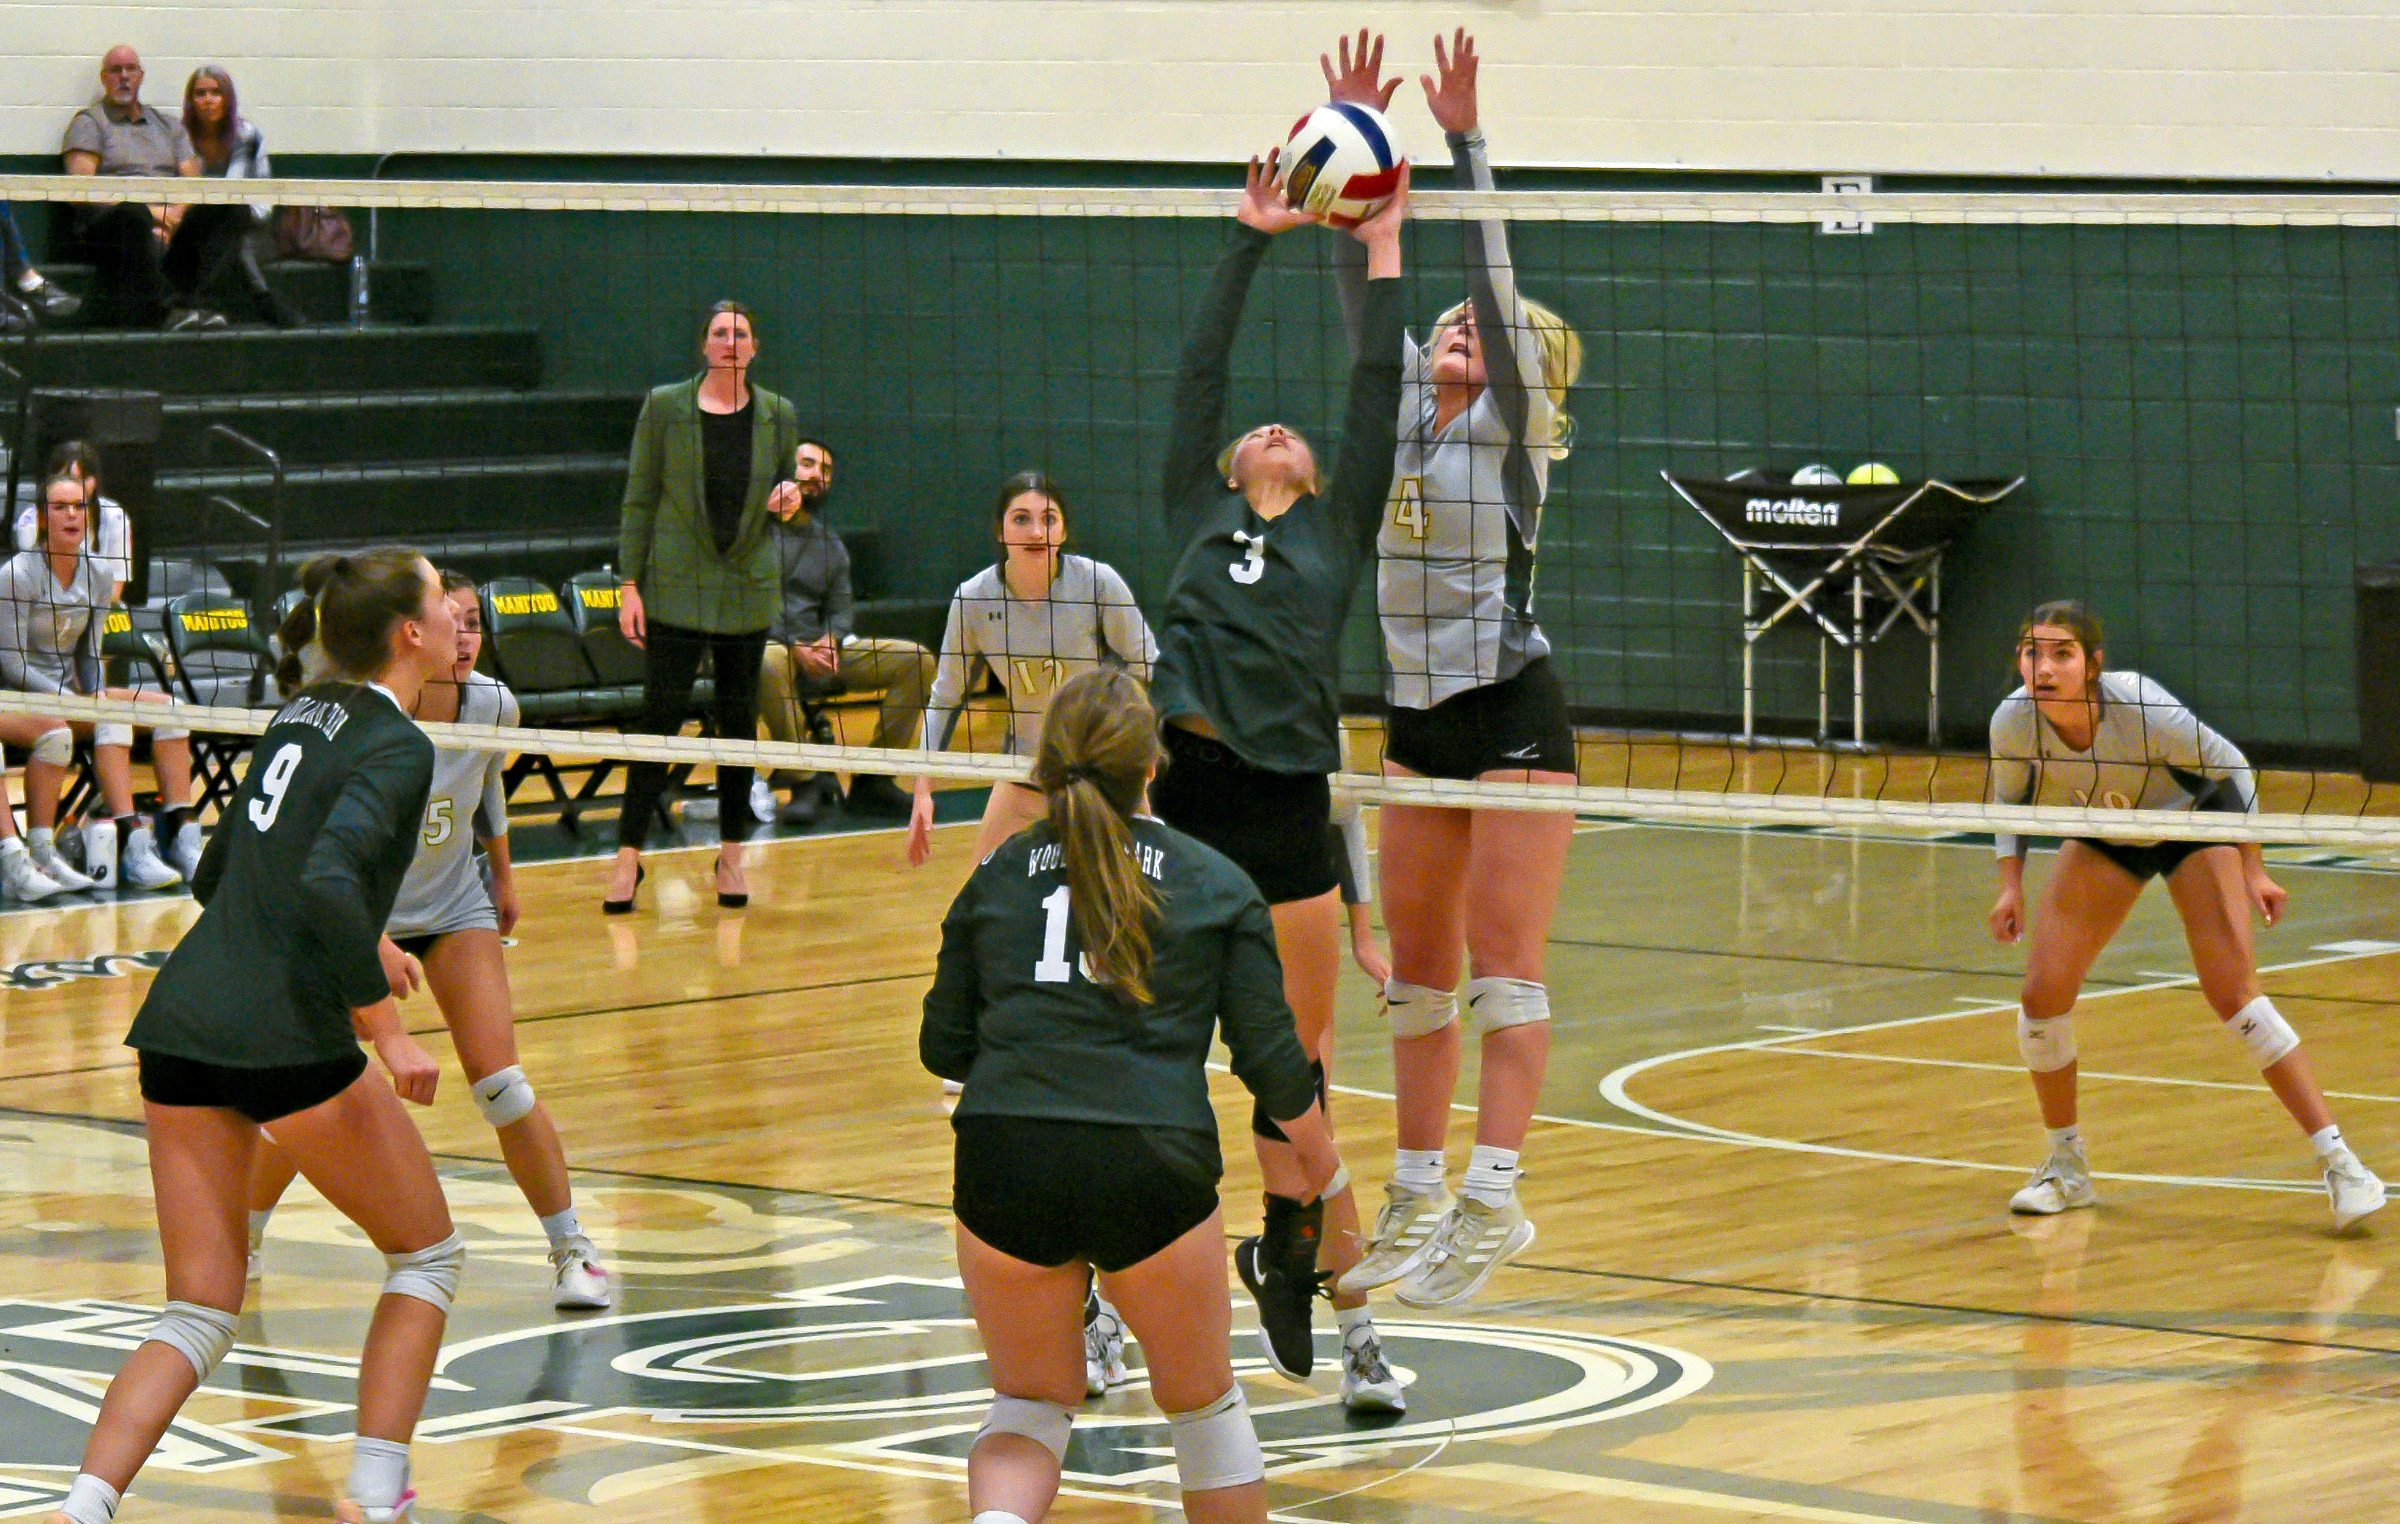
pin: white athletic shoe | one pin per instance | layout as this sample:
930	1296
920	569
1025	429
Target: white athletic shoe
22	877
99	854
1368	1385
1473	1241
2062	1184
1404	1230
763	803
2355	1191
142	867
1103	1346
183	853
581	1285
43	851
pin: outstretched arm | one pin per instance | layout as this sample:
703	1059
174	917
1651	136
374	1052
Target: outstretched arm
1362	474
1201	379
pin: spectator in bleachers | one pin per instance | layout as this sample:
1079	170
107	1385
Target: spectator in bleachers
53	603
128	242
218	250
28	298
111	536
699	574
812	648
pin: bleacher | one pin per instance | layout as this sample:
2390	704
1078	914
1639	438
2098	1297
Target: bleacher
402	429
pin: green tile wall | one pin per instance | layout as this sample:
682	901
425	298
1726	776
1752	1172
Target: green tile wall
2205	413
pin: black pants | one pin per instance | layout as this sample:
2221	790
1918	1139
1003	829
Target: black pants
211	262
130	288
671	665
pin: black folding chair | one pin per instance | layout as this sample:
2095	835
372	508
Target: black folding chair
219	658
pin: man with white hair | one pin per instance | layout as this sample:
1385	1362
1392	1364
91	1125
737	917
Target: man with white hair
127	242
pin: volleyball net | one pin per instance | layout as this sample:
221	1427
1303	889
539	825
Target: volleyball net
1826	451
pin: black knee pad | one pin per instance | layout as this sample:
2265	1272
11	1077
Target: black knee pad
1264	1126
1316	1071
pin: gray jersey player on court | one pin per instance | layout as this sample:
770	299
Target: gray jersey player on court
2078	734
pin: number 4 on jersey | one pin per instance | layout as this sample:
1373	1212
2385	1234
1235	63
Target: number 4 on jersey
1408	505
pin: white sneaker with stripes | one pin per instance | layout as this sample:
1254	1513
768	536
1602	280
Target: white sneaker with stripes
1473	1241
1404	1230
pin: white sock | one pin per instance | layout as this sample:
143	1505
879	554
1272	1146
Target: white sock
2069	1136
1491	1174
996	1516
1347	1318
378	1472
258	1228
90	1500
9	845
43	838
1422	1170
562	1226
2328	1143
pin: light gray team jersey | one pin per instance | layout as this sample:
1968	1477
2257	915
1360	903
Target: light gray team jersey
444	890
2148	752
1454	578
1090	617
50	635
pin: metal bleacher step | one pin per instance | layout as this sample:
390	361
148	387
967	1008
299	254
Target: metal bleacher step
268	361
402	425
398	291
524	494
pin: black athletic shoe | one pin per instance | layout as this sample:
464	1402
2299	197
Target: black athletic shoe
1280	1269
874	794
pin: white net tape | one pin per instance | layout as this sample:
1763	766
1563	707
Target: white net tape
1645	205
1673	806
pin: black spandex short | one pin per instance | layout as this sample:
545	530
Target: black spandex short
262	1095
1273	825
2156	860
1517	724
418	947
1054	1193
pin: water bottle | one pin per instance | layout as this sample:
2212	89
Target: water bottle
358	290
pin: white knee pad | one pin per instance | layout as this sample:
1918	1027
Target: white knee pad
112	733
2048	1044
1216	1446
429	1275
1416	1011
1497	1003
2261	1028
503	1096
168	733
200	1334
56	747
1045	1423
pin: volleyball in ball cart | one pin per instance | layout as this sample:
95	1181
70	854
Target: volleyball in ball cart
1341	164
1816	476
1874	474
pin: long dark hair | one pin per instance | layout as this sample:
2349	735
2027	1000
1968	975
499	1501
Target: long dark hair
2070	615
1016	487
214	145
353	604
1099	742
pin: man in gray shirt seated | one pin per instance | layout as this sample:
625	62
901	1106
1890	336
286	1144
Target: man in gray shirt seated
811	650
128	242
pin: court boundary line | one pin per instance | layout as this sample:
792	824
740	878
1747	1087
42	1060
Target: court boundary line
2081	1073
1612	1090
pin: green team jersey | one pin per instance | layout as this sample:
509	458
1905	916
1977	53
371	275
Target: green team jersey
295	888
1251	639
1012	1015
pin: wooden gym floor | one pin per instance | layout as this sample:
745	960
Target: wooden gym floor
1775	1280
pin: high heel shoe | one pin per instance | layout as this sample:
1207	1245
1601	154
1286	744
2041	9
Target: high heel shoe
729	901
625	905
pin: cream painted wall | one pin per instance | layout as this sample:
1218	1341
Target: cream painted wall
2302	89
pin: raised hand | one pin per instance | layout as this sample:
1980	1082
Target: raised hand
1359	81
1381	233
1451	96
1263	206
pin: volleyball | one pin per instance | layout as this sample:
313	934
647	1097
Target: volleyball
1816	476
1874	474
1341	164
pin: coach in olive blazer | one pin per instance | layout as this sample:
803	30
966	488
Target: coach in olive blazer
663	542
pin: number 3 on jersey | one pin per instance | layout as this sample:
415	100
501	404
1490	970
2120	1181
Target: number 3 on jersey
272	783
1408	506
1253	564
